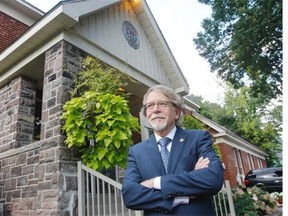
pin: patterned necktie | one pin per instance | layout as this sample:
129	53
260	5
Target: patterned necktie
164	151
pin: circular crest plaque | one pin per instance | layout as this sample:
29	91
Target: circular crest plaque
131	34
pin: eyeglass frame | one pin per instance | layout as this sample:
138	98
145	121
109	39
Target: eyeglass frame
153	104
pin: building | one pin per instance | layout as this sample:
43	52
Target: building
238	155
39	55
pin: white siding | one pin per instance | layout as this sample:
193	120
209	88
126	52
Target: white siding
104	29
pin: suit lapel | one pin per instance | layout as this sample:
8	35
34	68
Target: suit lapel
177	147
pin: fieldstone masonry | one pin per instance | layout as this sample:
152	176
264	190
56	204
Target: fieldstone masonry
38	178
17	108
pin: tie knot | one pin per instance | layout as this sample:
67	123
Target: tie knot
164	141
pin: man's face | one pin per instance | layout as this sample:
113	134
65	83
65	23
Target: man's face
161	113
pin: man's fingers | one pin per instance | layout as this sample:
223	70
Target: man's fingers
202	163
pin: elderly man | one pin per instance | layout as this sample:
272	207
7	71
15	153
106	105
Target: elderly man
175	171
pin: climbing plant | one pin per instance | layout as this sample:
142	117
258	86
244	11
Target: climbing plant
97	119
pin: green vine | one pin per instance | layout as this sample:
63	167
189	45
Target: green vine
99	122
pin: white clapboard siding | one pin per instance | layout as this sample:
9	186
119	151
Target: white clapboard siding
104	28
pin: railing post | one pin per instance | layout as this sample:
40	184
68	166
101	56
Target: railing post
230	198
138	213
81	194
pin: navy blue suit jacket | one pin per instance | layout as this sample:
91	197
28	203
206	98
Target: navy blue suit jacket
144	162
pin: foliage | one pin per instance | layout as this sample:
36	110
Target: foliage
99	115
99	77
259	124
253	201
190	122
242	41
256	122
212	111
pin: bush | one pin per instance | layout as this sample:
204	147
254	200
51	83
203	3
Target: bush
253	201
97	120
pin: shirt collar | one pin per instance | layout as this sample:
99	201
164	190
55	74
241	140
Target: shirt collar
171	135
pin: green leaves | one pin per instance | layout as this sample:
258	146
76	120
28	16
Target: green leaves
257	122
253	201
101	115
107	120
242	41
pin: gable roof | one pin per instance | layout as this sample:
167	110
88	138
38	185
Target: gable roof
63	16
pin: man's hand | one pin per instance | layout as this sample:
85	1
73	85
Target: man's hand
202	163
148	183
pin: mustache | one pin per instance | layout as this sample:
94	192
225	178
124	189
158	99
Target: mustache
158	117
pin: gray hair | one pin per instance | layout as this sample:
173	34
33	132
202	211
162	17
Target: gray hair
175	99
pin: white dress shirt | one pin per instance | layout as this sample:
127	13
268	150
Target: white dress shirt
157	182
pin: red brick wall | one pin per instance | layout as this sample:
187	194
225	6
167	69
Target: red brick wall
10	30
245	161
264	162
228	160
255	161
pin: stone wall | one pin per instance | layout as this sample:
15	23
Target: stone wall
39	178
17	108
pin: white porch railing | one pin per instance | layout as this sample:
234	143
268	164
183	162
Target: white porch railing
101	196
223	201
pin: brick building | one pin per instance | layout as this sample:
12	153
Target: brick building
238	155
38	172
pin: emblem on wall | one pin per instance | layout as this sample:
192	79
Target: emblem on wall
131	34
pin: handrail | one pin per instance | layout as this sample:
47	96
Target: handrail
100	195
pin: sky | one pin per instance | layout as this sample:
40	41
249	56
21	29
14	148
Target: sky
179	21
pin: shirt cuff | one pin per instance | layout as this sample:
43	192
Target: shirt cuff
157	183
180	200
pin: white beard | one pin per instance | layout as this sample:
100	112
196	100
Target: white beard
158	126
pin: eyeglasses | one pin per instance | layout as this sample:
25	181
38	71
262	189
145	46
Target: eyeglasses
161	104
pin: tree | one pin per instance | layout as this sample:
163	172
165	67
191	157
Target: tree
242	41
259	124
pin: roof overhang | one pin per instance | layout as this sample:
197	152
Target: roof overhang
238	143
22	11
163	52
63	16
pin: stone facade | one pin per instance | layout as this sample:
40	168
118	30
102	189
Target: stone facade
17	107
38	178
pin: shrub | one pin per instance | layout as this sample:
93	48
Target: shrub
253	201
97	120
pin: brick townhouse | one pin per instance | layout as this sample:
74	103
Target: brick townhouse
39	55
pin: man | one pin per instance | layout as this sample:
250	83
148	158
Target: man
194	171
